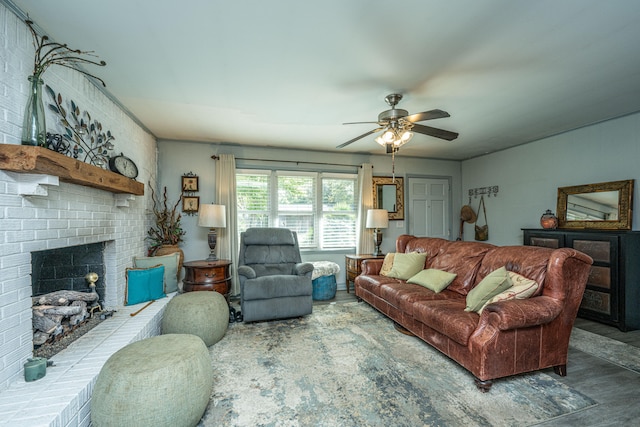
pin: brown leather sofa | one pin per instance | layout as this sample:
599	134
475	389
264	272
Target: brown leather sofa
507	338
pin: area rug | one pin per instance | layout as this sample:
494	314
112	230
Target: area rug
346	365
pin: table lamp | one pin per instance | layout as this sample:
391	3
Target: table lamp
377	219
212	216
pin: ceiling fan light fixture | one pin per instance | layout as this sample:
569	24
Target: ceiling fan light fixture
389	136
406	136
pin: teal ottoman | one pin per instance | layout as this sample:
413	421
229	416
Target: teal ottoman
201	313
160	381
323	280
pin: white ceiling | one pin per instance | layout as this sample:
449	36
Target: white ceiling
288	73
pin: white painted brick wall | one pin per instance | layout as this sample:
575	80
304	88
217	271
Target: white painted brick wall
69	214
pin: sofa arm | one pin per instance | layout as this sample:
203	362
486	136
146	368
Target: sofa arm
303	269
246	271
514	314
371	267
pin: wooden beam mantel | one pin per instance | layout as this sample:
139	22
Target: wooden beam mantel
30	159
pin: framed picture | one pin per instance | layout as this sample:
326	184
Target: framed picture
190	203
189	183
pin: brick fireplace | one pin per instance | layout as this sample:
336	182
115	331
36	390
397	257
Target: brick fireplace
62	215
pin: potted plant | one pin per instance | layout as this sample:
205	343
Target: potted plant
166	234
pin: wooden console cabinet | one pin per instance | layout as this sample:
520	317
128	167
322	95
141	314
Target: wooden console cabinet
207	276
612	295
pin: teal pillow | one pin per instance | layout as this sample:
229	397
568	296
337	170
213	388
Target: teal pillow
170	263
406	266
144	284
494	283
431	278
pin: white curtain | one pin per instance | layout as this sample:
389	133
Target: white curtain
364	236
226	195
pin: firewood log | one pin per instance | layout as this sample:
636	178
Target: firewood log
43	323
40	338
65	297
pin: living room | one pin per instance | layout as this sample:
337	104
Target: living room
528	176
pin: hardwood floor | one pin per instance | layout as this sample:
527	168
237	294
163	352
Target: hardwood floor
630	337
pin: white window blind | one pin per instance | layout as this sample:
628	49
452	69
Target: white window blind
321	208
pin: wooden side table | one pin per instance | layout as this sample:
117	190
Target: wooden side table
207	276
354	266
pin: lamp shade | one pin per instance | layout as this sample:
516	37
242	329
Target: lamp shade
212	216
377	218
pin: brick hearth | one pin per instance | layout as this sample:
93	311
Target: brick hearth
63	396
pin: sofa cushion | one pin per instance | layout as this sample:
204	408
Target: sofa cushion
387	264
407	265
522	288
447	317
494	283
529	261
462	259
436	280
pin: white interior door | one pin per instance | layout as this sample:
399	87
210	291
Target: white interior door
429	207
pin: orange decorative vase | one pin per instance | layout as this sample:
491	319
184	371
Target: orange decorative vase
549	221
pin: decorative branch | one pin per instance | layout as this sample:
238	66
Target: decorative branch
50	53
167	230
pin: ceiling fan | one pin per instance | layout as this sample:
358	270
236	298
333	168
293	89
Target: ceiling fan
398	126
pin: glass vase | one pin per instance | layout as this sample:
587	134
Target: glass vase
34	129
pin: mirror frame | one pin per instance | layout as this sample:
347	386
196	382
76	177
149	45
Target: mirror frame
399	183
625	206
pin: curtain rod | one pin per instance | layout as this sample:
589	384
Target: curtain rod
214	157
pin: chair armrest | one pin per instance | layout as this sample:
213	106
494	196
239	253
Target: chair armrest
246	271
514	314
371	267
303	269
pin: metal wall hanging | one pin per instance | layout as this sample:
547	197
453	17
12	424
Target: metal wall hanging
480	191
83	137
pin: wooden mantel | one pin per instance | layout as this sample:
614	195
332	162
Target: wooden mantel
39	160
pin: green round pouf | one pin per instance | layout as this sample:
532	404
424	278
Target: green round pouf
201	313
164	380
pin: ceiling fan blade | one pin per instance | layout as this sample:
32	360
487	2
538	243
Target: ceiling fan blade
359	123
438	133
358	137
427	115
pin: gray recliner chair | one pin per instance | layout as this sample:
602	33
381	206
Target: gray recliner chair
274	282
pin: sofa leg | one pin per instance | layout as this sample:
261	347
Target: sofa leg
402	329
560	370
484	386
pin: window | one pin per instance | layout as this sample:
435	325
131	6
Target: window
321	208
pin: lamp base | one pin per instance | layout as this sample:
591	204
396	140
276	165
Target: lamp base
377	241
212	239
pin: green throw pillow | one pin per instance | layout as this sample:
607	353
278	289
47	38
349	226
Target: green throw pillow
494	283
144	284
170	263
436	280
406	266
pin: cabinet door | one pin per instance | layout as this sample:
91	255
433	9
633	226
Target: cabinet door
601	297
547	239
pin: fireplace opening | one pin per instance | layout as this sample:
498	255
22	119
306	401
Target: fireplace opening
67	285
66	268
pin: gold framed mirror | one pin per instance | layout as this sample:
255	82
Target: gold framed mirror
604	206
388	193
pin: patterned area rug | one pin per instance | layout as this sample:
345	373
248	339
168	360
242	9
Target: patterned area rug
346	365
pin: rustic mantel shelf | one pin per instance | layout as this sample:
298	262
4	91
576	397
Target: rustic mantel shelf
39	160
